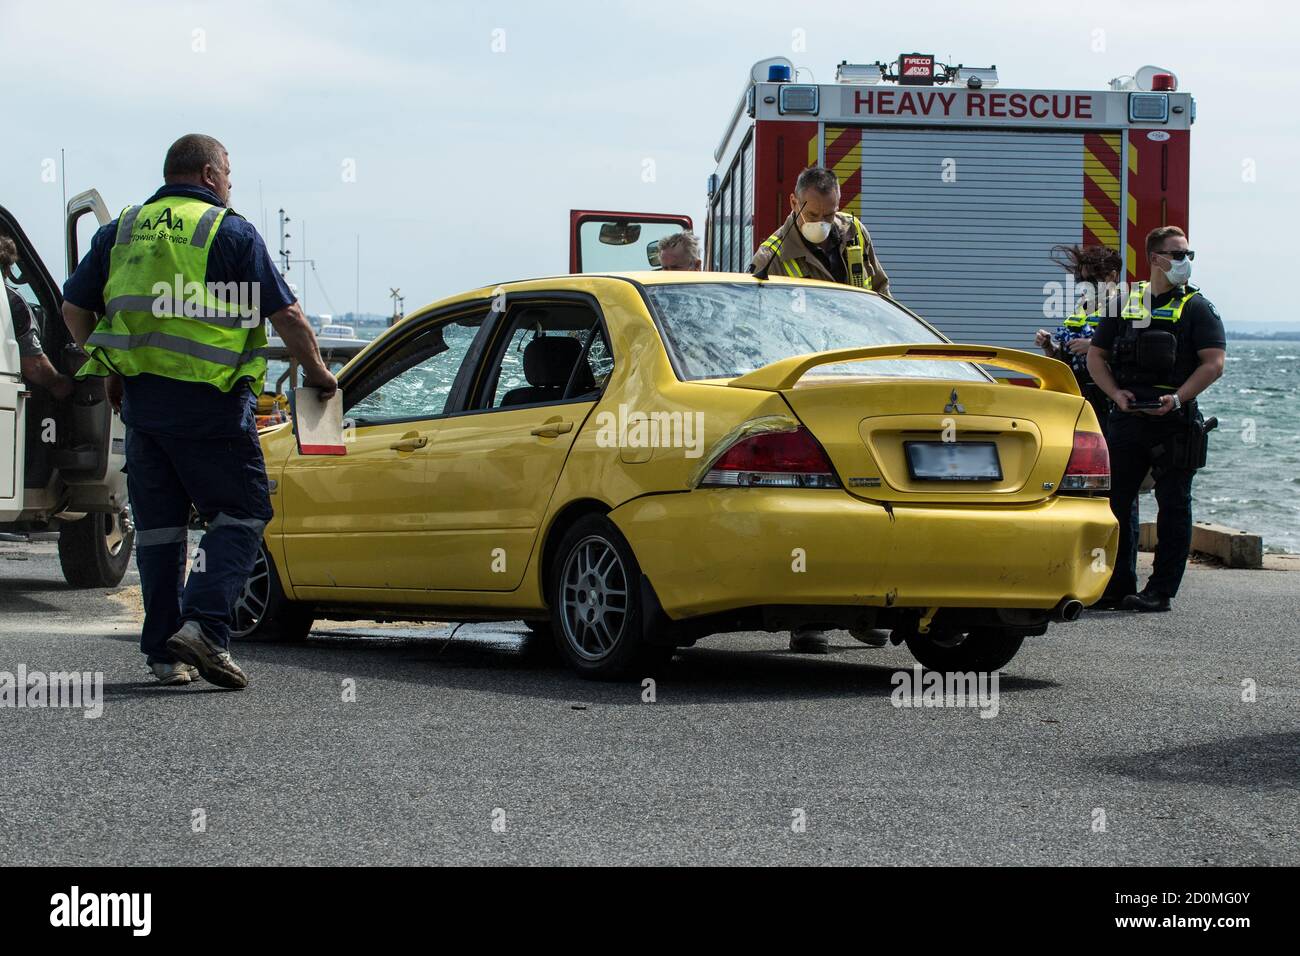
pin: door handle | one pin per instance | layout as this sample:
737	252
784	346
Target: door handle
410	444
553	429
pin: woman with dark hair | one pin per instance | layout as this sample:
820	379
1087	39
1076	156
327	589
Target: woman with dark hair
1096	271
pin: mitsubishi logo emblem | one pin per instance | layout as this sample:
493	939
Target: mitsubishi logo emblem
954	405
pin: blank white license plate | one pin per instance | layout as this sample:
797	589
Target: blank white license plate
953	461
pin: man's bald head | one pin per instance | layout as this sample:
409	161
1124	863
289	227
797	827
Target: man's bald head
199	160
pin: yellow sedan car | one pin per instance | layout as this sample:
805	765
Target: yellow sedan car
631	462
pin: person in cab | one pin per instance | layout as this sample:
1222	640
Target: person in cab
36	366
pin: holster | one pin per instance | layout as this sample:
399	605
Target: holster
1187	446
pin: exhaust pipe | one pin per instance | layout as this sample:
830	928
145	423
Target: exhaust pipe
1068	610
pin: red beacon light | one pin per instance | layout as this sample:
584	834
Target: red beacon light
1163	83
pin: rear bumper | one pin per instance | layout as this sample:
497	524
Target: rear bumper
716	550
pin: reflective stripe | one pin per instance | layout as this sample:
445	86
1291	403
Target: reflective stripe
200	237
151	537
145	303
1136	307
175	343
223	520
126	224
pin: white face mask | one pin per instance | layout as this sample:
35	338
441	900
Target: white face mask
1179	271
816	232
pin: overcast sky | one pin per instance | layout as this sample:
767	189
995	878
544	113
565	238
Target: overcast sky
474	127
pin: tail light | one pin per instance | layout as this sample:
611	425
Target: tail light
1089	467
790	459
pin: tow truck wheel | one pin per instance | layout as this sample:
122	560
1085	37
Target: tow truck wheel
983	649
95	551
263	612
596	604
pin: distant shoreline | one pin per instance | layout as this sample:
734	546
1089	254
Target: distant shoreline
1263	336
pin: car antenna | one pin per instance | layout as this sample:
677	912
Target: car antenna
762	273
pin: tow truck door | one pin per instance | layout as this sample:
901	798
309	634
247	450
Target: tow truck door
606	241
12	395
91	464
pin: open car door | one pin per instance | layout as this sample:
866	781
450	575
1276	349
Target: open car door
604	241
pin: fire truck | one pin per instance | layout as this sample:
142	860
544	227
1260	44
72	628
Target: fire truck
964	185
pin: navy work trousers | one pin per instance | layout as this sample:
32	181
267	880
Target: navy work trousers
225	480
1133	438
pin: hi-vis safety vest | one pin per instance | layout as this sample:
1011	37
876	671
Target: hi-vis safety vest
1081	319
854	253
1133	362
187	332
1135	309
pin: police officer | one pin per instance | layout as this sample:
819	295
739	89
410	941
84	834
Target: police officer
182	284
1153	359
817	241
1096	271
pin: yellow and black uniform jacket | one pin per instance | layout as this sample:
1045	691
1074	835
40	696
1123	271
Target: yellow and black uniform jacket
794	257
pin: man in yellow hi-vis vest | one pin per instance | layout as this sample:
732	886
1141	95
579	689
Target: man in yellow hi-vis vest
181	284
817	241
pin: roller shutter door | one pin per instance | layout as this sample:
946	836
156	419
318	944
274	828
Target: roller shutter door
964	220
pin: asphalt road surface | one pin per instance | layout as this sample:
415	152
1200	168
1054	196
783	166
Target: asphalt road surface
1117	740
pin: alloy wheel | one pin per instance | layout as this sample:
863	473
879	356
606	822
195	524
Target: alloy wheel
253	599
594	598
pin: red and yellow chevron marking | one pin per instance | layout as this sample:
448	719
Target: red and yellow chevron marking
844	159
1130	254
1101	176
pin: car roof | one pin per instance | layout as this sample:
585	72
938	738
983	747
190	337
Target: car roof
644	278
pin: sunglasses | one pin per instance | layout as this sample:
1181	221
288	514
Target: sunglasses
1178	255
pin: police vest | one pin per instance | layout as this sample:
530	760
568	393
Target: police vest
854	253
161	316
1081	319
1146	350
1136	310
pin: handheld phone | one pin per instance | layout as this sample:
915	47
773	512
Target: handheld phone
1145	404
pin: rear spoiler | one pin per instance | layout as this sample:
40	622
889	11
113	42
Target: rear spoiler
1051	374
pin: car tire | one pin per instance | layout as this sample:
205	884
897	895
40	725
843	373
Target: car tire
983	649
95	551
263	612
596	608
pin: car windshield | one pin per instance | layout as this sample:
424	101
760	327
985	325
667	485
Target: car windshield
722	330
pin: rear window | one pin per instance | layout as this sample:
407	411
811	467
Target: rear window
722	330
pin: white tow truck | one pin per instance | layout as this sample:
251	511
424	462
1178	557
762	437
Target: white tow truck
61	460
